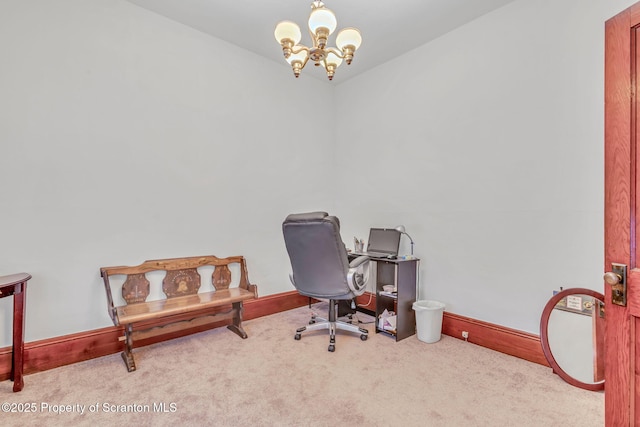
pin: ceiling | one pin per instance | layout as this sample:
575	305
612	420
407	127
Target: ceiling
389	28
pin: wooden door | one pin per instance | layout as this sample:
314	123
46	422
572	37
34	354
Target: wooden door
622	202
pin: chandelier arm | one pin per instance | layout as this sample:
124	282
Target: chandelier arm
302	47
324	63
335	51
306	59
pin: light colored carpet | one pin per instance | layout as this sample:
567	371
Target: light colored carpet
215	378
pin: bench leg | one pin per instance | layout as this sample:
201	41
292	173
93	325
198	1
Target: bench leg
237	320
127	354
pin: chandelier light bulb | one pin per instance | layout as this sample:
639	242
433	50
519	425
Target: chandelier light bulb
334	59
298	60
288	34
322	18
332	62
349	37
348	41
322	22
287	30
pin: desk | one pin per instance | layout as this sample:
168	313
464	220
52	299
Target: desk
401	274
16	285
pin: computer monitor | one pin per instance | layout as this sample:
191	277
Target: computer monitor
384	240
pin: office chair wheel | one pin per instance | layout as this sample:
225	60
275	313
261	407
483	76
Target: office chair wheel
364	337
311	322
332	348
297	337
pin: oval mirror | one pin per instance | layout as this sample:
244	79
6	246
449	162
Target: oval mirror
572	337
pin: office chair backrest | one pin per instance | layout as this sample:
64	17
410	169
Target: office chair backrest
318	255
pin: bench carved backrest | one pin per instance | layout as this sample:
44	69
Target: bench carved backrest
221	277
182	277
135	288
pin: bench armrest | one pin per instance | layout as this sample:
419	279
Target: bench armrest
110	307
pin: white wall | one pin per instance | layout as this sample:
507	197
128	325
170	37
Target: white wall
126	136
490	144
491	139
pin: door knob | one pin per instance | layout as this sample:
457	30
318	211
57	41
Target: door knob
612	278
617	278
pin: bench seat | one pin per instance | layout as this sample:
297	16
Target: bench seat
132	313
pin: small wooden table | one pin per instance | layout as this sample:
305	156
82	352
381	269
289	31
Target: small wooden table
16	285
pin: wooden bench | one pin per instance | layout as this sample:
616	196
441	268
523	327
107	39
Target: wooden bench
183	306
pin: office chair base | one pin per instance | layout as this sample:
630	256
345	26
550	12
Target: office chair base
315	318
314	325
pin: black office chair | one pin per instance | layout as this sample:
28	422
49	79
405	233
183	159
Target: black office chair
322	270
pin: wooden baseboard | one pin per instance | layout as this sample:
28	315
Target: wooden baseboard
495	337
499	338
59	351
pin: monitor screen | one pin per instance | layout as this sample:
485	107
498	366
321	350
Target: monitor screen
385	240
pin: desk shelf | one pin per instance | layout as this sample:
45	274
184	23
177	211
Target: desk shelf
402	274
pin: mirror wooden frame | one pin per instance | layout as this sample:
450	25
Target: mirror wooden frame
544	336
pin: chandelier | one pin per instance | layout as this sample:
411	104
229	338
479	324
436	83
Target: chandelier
322	23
